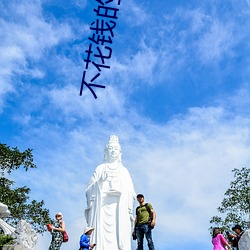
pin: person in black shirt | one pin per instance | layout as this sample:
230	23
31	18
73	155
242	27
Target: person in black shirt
236	237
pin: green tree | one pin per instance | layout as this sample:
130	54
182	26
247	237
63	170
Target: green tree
17	199
235	207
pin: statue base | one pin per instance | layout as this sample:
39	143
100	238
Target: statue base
12	247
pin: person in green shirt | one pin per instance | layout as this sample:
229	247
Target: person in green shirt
144	223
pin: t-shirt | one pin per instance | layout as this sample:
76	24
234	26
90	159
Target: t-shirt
142	214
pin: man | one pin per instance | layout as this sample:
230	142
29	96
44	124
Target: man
239	231
143	224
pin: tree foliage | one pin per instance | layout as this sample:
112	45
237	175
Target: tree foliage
235	207
12	159
17	199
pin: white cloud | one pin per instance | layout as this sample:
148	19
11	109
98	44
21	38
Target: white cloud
142	66
133	13
80	3
109	101
198	19
23	38
217	42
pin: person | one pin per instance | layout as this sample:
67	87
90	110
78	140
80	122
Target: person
110	198
239	231
231	240
56	231
218	240
142	226
85	239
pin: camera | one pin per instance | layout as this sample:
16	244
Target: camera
134	235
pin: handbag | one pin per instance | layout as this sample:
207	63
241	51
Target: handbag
65	236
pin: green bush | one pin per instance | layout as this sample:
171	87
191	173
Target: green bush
6	240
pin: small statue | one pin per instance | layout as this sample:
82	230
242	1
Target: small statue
23	234
4	212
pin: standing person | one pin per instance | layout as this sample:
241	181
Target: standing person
231	240
110	198
218	240
142	226
56	231
85	239
239	231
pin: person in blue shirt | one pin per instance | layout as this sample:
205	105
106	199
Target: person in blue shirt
85	239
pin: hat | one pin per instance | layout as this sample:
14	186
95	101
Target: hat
87	229
59	213
140	195
237	227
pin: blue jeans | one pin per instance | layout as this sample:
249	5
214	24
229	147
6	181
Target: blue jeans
142	230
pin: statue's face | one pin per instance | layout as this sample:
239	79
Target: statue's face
113	150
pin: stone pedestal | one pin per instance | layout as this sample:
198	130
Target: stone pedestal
13	247
244	242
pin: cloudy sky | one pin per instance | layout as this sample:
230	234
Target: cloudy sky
177	94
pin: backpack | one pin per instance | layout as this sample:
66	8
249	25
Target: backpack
149	212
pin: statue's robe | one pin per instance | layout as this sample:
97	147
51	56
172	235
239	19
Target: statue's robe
110	197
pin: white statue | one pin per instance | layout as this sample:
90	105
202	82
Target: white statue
244	242
110	197
4	212
25	235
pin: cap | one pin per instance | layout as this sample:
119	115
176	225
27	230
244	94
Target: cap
140	195
237	227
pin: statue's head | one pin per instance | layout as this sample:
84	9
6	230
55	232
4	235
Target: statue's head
113	150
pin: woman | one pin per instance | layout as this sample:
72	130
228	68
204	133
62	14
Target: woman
218	240
84	240
56	231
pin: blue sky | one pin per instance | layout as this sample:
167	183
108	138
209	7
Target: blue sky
177	95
